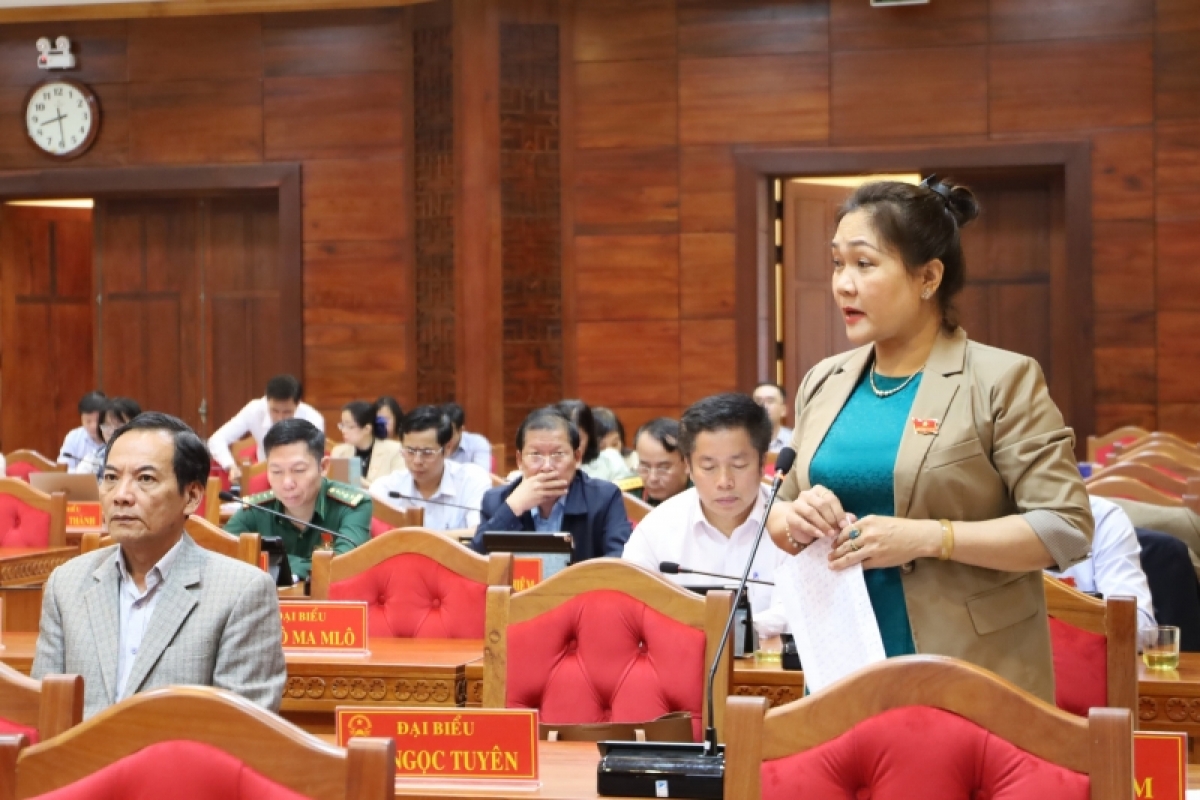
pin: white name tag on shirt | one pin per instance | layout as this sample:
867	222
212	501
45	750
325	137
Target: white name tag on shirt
830	615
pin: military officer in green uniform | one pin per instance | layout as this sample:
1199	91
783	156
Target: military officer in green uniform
296	459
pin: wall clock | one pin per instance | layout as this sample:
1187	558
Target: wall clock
62	118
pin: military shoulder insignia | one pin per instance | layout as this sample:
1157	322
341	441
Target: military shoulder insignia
345	494
261	498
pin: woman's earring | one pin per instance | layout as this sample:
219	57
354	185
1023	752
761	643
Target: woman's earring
925	295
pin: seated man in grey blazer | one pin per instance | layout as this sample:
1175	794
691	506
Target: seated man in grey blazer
156	609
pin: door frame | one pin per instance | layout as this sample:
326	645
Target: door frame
1070	286
198	180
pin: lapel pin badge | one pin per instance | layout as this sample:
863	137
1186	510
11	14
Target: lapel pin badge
925	427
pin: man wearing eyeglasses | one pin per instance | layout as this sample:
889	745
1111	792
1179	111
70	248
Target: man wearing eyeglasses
450	492
553	495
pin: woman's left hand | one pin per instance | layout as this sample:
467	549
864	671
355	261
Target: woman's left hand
878	542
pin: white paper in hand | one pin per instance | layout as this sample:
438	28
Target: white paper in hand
830	615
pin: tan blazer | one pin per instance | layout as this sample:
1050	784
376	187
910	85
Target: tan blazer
1001	448
386	458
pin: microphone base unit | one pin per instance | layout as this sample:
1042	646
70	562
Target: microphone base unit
660	769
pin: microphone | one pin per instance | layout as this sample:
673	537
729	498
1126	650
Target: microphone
76	458
783	465
671	568
229	497
399	496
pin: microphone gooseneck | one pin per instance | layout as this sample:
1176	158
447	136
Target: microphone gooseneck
783	465
230	497
399	496
671	568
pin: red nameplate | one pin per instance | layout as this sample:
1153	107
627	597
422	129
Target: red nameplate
1159	765
84	515
324	626
527	573
476	744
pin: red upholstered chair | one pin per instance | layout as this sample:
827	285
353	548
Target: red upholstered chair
39	709
605	641
29	518
20	463
417	584
1101	448
635	508
210	506
927	727
384	518
197	742
254	479
1094	643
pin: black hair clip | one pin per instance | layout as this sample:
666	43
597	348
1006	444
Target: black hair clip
933	184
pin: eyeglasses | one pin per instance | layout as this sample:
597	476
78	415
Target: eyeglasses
422	452
344	426
661	470
537	460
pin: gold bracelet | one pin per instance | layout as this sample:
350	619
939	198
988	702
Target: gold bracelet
947	539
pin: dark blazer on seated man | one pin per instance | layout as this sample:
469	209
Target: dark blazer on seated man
552	494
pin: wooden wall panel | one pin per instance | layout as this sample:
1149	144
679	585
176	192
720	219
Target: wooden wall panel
1178	354
626	191
218	49
627	277
1123	174
915	93
707	289
351	42
1123	265
859	26
710	28
629	363
1126	375
353	200
1038	20
340	116
627	104
1071	85
754	99
195	122
706	359
1177	170
357	282
1177	74
619	30
706	195
1178	283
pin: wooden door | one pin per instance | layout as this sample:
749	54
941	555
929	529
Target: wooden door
190	303
1011	252
46	330
812	324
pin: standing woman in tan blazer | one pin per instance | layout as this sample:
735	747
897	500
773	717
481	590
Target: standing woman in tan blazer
939	464
380	456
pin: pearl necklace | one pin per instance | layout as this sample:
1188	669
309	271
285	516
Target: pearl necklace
881	394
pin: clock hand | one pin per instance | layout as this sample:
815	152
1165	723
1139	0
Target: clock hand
61	131
59	118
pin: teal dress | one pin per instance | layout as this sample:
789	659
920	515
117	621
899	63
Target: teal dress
856	461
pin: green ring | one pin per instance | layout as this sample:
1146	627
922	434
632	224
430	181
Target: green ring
854	533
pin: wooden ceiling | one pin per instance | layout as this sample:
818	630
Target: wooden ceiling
54	10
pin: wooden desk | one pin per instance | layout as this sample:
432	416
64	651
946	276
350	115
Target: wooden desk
1169	700
23	570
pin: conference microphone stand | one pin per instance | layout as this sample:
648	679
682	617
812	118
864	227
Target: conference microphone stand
230	497
671	568
398	496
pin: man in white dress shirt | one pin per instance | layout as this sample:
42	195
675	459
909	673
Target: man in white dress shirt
1115	567
772	398
711	526
449	492
466	447
281	402
83	442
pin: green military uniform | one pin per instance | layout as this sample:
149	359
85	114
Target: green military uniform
339	507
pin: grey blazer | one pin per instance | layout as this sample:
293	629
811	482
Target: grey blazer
216	623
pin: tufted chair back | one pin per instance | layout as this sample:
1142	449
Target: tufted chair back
417	583
604	641
21	463
1094	644
954	730
30	518
384	518
197	742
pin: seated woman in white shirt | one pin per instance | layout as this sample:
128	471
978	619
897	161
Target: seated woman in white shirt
449	491
711	527
603	464
116	412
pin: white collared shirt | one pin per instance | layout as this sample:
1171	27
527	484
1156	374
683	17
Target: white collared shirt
473	448
137	611
1114	568
462	485
253	419
782	439
678	531
77	447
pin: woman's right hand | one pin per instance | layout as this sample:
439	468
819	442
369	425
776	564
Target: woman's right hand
815	514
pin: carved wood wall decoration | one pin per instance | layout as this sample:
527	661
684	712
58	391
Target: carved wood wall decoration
530	189
433	211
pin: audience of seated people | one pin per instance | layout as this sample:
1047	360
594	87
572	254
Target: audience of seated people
661	466
604	464
282	401
117	411
82	442
773	398
450	492
296	461
363	439
712	526
466	447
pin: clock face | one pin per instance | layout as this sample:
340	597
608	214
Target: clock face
62	118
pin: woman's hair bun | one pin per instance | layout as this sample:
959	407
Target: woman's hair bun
961	203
